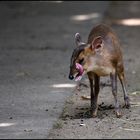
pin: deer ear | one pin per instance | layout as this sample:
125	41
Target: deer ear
78	39
97	43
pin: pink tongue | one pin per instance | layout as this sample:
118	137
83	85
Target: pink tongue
80	69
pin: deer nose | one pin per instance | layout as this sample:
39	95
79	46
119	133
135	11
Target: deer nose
71	77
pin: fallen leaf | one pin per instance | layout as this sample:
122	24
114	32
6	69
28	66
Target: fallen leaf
85	97
135	92
135	103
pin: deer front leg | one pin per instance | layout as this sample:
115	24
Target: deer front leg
94	94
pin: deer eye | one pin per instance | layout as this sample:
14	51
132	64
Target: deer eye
80	62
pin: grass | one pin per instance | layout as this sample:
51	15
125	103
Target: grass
58	125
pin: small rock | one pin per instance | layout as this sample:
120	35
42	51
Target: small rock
102	103
82	120
130	60
106	114
28	130
128	85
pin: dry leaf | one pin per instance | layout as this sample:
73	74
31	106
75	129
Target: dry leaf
85	97
136	92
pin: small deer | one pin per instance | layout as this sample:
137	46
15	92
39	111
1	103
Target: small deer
100	56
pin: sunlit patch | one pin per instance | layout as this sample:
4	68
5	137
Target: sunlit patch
63	85
129	22
6	124
85	17
56	1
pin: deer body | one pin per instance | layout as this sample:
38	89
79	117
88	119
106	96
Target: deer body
100	56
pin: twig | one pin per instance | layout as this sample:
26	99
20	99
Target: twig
129	121
128	129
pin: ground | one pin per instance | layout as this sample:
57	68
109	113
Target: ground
37	98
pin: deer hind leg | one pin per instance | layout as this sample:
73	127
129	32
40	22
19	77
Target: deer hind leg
94	93
113	78
122	81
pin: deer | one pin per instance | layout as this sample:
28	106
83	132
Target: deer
100	56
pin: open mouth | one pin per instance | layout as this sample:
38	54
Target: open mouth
80	69
78	77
